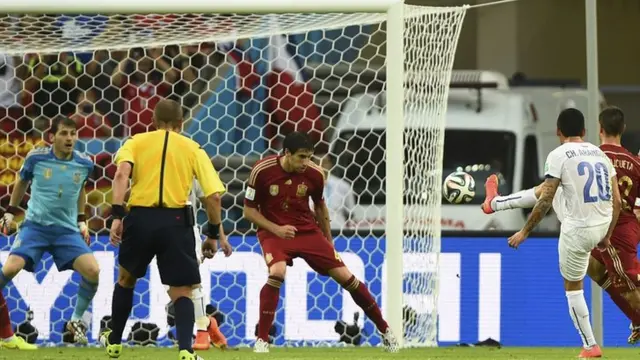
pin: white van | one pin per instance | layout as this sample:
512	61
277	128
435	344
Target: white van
489	129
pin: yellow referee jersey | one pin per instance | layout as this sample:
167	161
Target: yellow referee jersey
164	164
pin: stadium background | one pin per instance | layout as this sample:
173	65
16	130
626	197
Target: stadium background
231	117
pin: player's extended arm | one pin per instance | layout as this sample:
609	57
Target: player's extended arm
545	201
617	206
120	183
255	217
323	219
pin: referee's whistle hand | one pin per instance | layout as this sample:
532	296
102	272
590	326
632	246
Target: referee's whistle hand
115	234
209	248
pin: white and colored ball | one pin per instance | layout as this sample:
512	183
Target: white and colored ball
459	188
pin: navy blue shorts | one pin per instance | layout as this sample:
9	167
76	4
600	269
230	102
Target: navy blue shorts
165	234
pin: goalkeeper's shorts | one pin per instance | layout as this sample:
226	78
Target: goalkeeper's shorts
64	245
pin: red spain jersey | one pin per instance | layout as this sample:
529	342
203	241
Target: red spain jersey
283	197
627	168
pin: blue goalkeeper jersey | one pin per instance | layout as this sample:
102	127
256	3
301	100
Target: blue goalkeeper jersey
55	186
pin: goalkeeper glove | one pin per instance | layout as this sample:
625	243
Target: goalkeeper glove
7	219
84	229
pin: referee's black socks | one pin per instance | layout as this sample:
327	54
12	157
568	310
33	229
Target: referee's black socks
184	318
120	310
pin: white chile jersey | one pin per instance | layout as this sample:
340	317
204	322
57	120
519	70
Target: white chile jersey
585	174
195	194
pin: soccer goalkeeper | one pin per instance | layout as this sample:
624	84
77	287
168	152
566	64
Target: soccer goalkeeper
55	220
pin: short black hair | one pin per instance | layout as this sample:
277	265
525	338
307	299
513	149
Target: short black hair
612	121
59	122
296	141
571	122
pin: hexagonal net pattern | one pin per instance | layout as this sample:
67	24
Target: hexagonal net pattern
243	85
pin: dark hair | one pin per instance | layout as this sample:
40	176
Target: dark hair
571	122
612	121
168	112
296	141
59	122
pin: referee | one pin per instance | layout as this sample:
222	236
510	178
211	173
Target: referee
162	165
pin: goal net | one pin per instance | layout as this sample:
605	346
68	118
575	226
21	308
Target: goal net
244	81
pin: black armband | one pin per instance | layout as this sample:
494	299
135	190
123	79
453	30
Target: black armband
82	217
118	211
13	210
212	230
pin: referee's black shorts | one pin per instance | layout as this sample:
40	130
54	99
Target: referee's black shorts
166	234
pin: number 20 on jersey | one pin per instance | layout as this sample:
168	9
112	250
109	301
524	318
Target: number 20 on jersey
600	174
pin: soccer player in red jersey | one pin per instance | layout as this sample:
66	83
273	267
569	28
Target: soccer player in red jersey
277	201
617	270
621	261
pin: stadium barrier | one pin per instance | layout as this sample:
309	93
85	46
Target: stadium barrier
487	290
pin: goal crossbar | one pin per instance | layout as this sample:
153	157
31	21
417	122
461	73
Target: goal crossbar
195	6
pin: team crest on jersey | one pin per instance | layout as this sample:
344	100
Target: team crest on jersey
48	173
302	190
274	190
288	182
77	177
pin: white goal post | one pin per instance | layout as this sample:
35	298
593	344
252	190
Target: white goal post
420	49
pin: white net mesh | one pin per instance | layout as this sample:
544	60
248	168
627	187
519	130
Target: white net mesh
243	85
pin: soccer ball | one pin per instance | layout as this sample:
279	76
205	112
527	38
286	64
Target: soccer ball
459	188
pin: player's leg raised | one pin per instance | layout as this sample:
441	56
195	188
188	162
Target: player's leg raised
493	202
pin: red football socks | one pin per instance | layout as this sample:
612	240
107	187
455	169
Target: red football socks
269	296
5	322
365	300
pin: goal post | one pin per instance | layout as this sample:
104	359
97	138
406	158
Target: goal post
395	170
379	92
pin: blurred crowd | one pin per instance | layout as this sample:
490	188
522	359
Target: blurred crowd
108	93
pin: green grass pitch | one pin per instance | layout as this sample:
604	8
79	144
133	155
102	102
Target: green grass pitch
322	353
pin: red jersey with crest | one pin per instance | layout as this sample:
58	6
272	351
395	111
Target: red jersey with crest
627	168
283	197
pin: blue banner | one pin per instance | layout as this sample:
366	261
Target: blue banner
486	290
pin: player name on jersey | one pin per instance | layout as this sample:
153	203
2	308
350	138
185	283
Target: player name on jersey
622	164
583	152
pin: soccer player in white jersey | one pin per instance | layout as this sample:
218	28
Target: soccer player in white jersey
589	189
207	330
615	271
